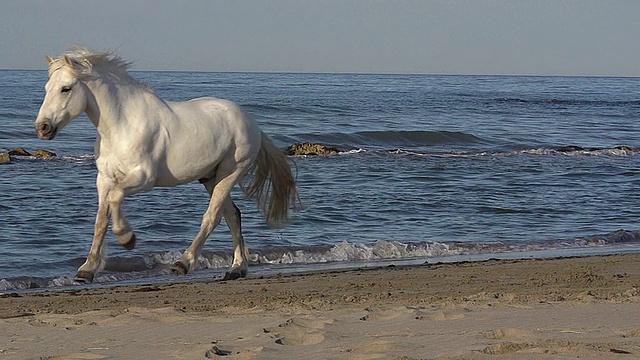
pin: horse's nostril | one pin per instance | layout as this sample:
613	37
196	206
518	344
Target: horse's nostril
45	130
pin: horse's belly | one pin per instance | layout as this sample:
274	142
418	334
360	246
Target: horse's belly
184	172
187	165
170	180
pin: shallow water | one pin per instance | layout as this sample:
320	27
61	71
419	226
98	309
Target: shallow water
430	166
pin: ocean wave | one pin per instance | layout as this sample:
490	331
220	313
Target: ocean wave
420	138
568	102
157	264
260	108
562	151
287	110
81	159
580	151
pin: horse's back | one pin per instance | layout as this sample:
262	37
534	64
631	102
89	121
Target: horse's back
212	111
219	118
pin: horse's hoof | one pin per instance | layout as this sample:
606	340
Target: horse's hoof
233	275
179	268
129	245
84	277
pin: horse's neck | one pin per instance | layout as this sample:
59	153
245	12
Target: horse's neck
111	106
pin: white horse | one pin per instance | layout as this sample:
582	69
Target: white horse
144	141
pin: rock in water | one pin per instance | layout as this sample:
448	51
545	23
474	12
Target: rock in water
19	152
43	154
309	149
5	158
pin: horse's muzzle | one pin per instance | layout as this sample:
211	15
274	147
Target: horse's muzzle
46	131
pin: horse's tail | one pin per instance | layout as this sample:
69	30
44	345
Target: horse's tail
271	182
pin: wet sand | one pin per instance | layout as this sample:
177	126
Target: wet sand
582	307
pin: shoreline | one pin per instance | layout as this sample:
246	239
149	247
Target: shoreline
514	308
121	274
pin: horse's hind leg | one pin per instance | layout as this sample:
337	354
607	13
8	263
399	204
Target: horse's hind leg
232	216
219	195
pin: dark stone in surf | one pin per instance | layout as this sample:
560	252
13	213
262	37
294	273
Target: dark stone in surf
135	263
19	152
40	153
570	148
43	154
5	158
310	149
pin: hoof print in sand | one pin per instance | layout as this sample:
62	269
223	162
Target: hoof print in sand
409	312
299	331
216	351
554	346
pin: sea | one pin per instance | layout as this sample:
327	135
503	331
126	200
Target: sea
431	168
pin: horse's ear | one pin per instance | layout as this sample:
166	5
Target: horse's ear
67	60
49	59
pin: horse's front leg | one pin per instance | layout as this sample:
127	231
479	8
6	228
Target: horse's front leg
110	198
134	182
120	226
96	258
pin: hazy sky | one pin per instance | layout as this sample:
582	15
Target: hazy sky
551	37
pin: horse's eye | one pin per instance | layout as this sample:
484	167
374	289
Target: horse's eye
66	89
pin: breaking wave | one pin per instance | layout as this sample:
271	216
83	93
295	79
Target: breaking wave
155	266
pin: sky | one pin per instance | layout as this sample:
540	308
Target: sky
529	37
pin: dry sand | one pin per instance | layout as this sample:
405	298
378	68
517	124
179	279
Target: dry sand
587	308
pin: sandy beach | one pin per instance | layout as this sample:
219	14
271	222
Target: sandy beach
567	308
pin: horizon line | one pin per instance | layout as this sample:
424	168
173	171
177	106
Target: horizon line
365	73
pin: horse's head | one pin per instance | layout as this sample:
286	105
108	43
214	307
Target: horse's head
65	97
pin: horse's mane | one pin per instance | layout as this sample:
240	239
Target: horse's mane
85	64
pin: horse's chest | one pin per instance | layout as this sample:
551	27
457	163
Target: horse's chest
116	159
119	168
